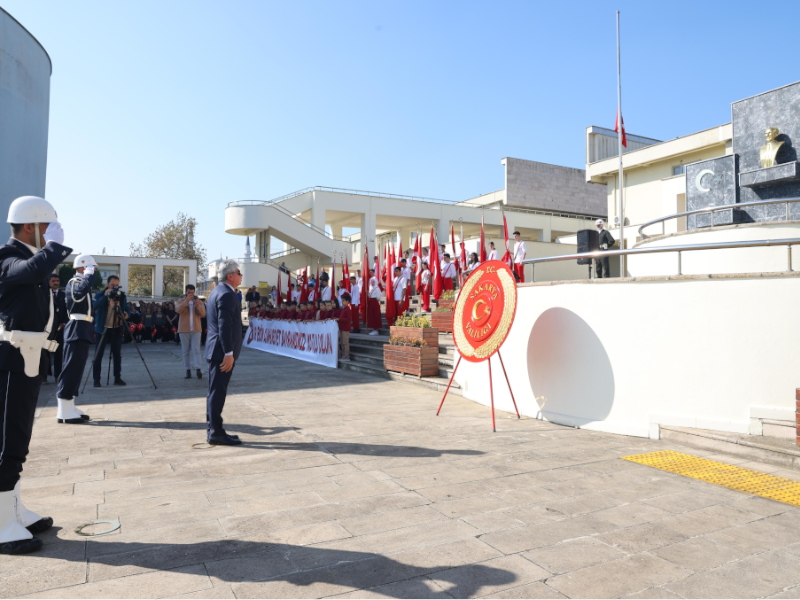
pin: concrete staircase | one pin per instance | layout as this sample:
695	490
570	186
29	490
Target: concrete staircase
366	356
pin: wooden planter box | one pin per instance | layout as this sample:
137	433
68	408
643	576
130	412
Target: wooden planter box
422	362
442	320
445	304
429	334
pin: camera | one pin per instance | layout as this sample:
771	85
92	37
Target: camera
115	293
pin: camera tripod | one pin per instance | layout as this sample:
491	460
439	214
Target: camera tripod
101	344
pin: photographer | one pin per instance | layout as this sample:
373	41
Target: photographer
111	311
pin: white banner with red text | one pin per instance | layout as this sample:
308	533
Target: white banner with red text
316	342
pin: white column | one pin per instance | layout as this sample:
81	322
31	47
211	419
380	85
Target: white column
317	212
368	234
443	231
123	274
158	280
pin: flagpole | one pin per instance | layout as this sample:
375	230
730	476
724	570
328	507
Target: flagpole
620	214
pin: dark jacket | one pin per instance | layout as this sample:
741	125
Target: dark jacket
79	298
252	297
101	310
224	324
25	293
606	238
60	317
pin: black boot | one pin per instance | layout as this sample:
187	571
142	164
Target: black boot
21	546
118	381
199	374
188	374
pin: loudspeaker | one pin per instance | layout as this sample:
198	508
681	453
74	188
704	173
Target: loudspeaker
588	241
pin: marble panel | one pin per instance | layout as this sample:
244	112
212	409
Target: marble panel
711	183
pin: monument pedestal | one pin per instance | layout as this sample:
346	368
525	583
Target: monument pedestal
783	173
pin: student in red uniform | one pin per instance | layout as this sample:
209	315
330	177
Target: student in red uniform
374	304
399	285
345	323
426	287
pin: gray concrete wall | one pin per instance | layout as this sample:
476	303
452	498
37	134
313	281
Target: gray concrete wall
541	186
24	112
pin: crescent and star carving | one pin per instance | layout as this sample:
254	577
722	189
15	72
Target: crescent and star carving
475	316
698	181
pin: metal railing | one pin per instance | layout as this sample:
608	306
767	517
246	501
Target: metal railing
713	209
788	242
464	203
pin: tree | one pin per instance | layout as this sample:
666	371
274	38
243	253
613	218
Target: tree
176	239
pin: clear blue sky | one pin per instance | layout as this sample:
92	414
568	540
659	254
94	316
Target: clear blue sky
166	106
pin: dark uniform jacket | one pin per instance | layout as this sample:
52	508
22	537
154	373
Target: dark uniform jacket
606	238
79	298
60	315
25	293
224	324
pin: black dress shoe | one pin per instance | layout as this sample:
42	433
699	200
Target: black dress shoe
86	417
188	374
97	384
223	440
199	374
21	546
75	421
118	381
41	525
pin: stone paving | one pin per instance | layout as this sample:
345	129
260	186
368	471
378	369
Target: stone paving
348	486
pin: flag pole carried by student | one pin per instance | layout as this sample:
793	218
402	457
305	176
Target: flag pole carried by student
391	312
346	275
365	283
482	249
435	266
463	258
507	257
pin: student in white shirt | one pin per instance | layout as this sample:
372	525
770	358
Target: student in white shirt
399	284
426	288
448	273
519	255
355	303
374	318
492	252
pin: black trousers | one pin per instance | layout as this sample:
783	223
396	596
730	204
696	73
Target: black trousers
601	267
75	356
114	341
18	395
217	392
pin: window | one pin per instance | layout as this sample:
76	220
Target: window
678	170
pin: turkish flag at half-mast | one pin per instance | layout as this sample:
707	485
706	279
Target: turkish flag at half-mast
619	127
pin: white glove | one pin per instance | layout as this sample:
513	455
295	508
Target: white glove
88	271
54	233
604	246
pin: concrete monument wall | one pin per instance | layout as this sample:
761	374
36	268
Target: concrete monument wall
24	112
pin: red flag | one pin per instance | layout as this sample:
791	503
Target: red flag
399	250
391	313
346	275
619	127
436	267
279	297
418	261
455	249
365	283
416	256
304	288
332	283
317	295
482	248
507	258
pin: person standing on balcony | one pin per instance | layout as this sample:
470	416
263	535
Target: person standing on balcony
606	241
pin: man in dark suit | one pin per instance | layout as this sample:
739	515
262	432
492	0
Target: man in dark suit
59	321
606	241
223	344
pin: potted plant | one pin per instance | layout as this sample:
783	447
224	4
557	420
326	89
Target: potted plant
415	327
411	356
442	315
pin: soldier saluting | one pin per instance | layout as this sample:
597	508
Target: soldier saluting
78	339
26	318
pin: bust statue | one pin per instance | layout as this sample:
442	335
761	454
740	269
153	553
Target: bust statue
769	151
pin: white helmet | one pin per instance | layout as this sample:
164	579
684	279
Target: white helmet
84	260
31	209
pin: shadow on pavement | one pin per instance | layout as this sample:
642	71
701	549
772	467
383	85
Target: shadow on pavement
192	425
236	561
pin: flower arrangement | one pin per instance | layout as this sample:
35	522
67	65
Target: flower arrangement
401	341
449	295
412	320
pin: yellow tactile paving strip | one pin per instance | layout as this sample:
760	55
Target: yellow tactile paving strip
729	476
